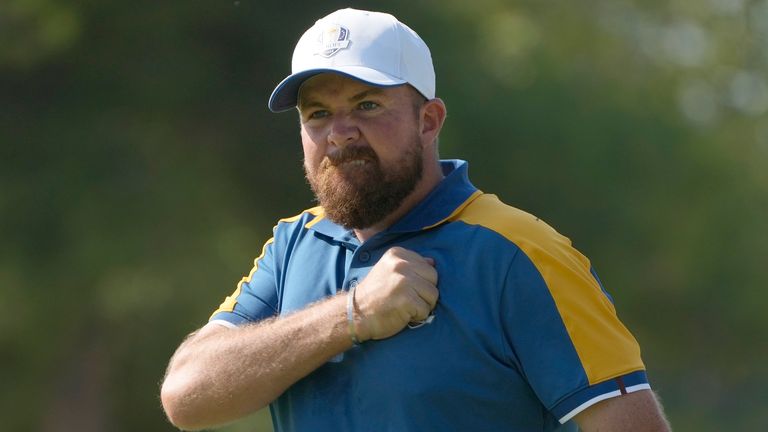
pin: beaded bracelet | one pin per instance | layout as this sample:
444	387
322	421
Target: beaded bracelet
351	316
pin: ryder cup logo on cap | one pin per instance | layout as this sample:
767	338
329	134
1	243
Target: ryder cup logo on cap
331	40
371	47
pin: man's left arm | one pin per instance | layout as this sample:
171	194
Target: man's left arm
634	412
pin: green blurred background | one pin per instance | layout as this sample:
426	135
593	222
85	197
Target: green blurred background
140	173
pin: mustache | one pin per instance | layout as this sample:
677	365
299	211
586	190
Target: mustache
349	154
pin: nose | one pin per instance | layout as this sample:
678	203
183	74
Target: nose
343	132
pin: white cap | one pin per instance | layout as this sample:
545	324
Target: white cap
372	47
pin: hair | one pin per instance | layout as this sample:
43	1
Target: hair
417	99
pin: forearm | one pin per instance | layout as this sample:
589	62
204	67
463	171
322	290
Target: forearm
218	376
634	412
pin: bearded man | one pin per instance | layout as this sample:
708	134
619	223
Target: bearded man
408	300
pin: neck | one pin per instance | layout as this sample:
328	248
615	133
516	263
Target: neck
432	176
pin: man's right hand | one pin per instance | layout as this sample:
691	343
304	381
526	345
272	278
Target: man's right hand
400	288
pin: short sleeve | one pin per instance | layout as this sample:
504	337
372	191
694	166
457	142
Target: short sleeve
255	297
563	332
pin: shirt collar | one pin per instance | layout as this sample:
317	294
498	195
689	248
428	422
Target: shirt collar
452	194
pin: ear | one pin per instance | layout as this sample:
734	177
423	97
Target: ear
432	117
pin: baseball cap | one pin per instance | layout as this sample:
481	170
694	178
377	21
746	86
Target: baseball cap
372	47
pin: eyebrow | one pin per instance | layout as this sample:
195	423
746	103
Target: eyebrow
305	104
309	104
367	92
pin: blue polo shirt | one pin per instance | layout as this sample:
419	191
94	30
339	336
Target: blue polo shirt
524	336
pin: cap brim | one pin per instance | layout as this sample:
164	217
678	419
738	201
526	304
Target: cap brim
285	95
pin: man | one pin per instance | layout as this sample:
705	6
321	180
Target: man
409	300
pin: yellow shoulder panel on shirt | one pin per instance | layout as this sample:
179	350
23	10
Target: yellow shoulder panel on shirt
228	305
319	214
314	211
604	345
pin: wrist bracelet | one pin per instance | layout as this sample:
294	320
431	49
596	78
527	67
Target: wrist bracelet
351	316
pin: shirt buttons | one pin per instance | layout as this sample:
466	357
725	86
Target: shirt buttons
353	283
364	256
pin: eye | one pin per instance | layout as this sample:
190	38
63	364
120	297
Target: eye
318	114
368	105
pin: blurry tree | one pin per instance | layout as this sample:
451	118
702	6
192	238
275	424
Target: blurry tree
35	31
140	173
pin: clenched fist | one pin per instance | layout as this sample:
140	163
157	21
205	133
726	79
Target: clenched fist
400	288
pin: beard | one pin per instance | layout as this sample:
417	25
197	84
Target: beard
359	196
